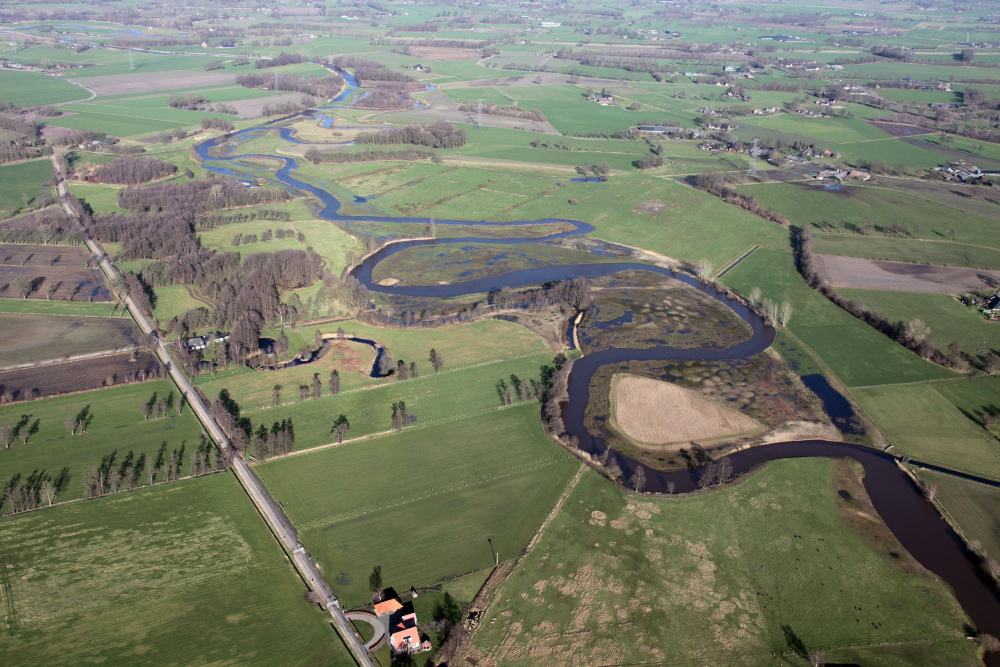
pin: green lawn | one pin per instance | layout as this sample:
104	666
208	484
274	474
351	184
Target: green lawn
117	425
857	353
948	319
102	198
172	301
31	88
463	347
184	573
974	506
725	578
23	180
922	423
447	489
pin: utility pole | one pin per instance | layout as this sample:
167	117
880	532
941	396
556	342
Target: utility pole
131	63
479	113
752	170
276	84
16	46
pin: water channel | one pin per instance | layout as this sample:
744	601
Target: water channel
899	501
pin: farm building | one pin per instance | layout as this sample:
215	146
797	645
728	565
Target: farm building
201	342
404	635
656	129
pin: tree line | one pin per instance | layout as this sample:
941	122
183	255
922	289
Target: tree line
370	71
507	111
441	134
21	430
341	156
38	489
715	184
318	86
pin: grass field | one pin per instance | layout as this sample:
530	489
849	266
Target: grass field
855	352
36	337
463	347
102	198
174	574
922	423
172	301
431	399
40	307
332	243
975	507
975	397
22	180
725	578
948	319
117	425
31	88
125	122
441	487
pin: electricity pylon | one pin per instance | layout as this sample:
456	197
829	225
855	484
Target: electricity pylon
752	171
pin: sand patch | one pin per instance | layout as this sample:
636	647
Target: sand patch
659	413
651	207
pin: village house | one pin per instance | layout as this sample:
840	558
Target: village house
404	635
201	342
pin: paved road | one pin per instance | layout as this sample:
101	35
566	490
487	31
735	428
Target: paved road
268	508
379	623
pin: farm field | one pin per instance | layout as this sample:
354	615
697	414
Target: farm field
922	423
947	318
728	578
176	572
872	274
78	308
975	397
30	337
55	272
72	376
348	502
973	506
939	253
117	424
30	88
858	354
23	182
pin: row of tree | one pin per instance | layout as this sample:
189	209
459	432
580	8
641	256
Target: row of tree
131	171
441	134
38	489
21	430
506	111
518	390
341	156
323	87
715	184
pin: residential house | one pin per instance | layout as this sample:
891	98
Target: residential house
404	634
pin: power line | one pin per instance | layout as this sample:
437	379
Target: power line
752	170
131	63
479	113
276	84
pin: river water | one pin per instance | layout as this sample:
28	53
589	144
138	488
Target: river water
901	504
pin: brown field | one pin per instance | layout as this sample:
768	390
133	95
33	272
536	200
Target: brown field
856	273
124	84
253	108
899	129
72	376
440	54
64	268
30	338
660	413
31	220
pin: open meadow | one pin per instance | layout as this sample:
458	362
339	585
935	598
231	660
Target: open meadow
785	563
116	424
183	573
441	486
973	506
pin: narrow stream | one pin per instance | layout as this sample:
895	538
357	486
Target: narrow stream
900	503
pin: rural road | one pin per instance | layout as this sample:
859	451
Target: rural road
275	517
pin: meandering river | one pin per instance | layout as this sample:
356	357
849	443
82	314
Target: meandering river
901	504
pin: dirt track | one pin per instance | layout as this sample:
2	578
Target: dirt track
875	274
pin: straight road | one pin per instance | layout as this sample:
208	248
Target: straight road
280	526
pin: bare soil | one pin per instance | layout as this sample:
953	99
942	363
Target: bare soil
62	268
28	338
441	54
659	413
857	273
124	84
72	376
899	129
32	220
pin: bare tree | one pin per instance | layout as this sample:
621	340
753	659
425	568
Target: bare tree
6	435
47	492
671	488
932	492
276	395
146	410
704	270
334	382
755	294
375	583
638	479
23	286
816	659
786	313
303	391
341	428
614	470
150	471
317	386
917	331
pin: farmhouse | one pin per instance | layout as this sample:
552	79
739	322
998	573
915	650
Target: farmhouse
404	635
201	342
656	129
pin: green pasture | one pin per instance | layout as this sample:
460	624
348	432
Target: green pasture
431	398
78	308
857	353
117	425
975	397
449	488
490	95
940	253
922	423
733	577
23	181
947	318
185	573
854	204
123	121
30	337
463	347
332	243
25	88
565	107
172	301
101	198
973	506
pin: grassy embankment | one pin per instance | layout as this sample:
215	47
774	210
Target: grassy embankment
185	573
117	425
973	506
448	489
733	577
